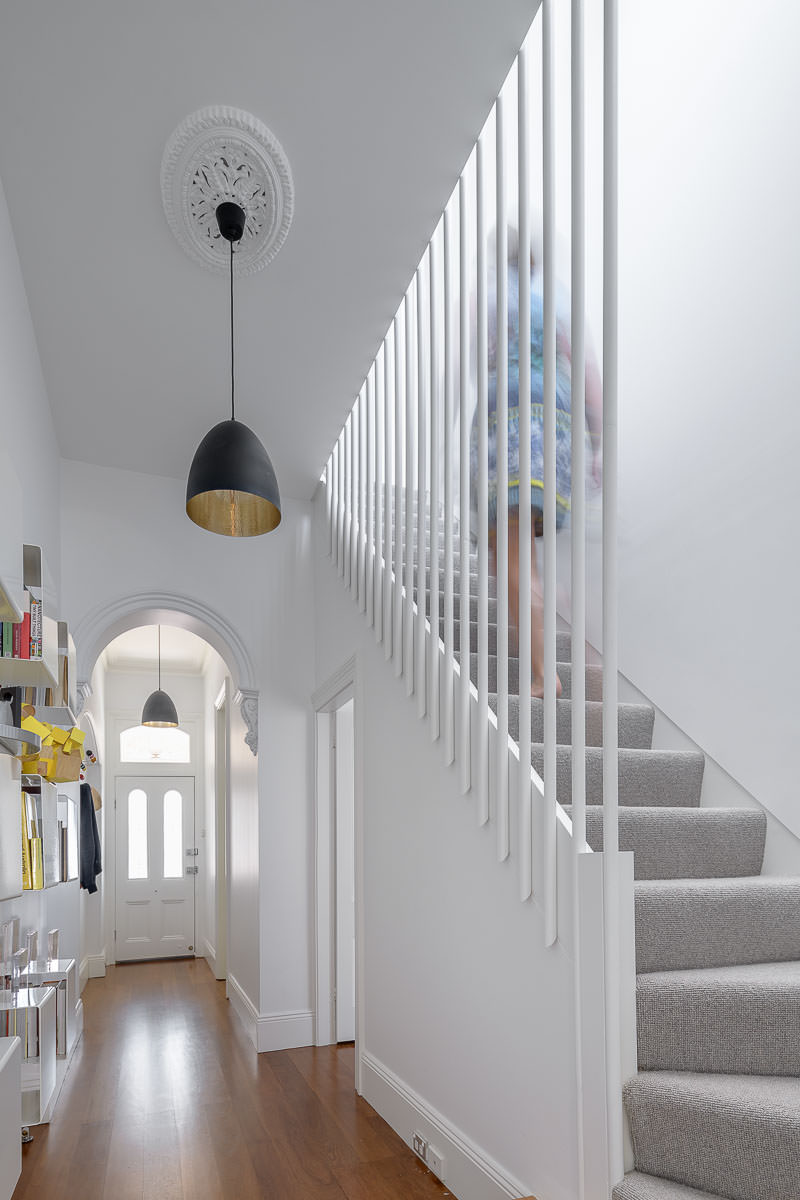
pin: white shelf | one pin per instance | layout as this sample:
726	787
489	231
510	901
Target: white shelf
33	1018
63	716
18	741
10	1116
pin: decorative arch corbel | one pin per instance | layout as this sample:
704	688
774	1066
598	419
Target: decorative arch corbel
108	620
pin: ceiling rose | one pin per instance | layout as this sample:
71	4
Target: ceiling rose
220	154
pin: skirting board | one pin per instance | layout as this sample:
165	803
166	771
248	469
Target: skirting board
469	1172
270	1031
92	967
210	955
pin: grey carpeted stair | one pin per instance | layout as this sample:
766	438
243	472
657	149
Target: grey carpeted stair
635	722
637	1186
737	1136
646	777
687	843
594	677
687	923
742	1020
563	641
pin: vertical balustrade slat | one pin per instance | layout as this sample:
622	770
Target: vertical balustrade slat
435	473
420	641
482	756
411	491
578	528
389	483
449	510
578	513
329	501
399	481
503	835
348	492
524	558
369	444
610	648
464	740
354	474
341	457
335	505
549	445
378	567
362	500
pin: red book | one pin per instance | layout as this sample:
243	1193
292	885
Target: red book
25	636
16	639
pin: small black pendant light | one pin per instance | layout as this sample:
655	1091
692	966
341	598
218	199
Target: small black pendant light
232	487
159	711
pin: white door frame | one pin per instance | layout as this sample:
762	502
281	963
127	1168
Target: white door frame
342	686
221	793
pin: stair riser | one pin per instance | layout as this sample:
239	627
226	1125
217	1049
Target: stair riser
688	927
563	640
739	1032
594	677
721	1149
654	779
687	845
634	722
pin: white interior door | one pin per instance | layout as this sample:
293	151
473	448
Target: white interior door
344	784
156	867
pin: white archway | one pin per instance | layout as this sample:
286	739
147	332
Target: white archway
108	620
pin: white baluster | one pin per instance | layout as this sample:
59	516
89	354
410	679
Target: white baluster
524	617
611	864
449	506
482	767
503	822
420	640
399	482
435	472
464	741
369	451
411	495
391	482
549	446
380	447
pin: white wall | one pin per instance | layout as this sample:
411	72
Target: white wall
29	462
213	679
463	1005
142	542
710	425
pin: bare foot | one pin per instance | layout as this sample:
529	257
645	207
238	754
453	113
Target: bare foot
537	689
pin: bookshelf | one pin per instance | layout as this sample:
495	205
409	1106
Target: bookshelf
41	671
61	974
10	856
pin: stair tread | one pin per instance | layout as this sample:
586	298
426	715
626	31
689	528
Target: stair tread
742	1019
733	1135
663	778
638	1186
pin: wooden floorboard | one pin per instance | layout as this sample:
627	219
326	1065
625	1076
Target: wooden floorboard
166	1099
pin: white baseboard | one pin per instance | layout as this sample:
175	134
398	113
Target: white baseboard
97	965
210	955
270	1031
470	1174
284	1031
83	975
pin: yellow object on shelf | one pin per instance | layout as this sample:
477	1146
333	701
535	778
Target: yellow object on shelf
60	756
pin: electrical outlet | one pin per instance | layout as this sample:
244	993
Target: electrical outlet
420	1146
435	1160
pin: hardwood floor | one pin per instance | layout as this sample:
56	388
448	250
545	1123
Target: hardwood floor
166	1098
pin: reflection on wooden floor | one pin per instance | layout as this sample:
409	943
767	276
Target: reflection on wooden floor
166	1098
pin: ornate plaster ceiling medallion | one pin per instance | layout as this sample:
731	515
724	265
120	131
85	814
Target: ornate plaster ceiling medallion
217	154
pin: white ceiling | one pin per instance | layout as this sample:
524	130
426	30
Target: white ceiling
137	650
376	103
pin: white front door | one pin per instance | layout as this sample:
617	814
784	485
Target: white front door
155	874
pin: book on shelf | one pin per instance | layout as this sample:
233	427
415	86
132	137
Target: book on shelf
35	622
37	864
8	639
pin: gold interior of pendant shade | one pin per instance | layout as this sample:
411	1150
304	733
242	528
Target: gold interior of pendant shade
235	514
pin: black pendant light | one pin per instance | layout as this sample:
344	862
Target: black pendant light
232	487
159	711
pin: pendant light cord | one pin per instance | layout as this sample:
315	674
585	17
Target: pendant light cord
159	658
233	418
